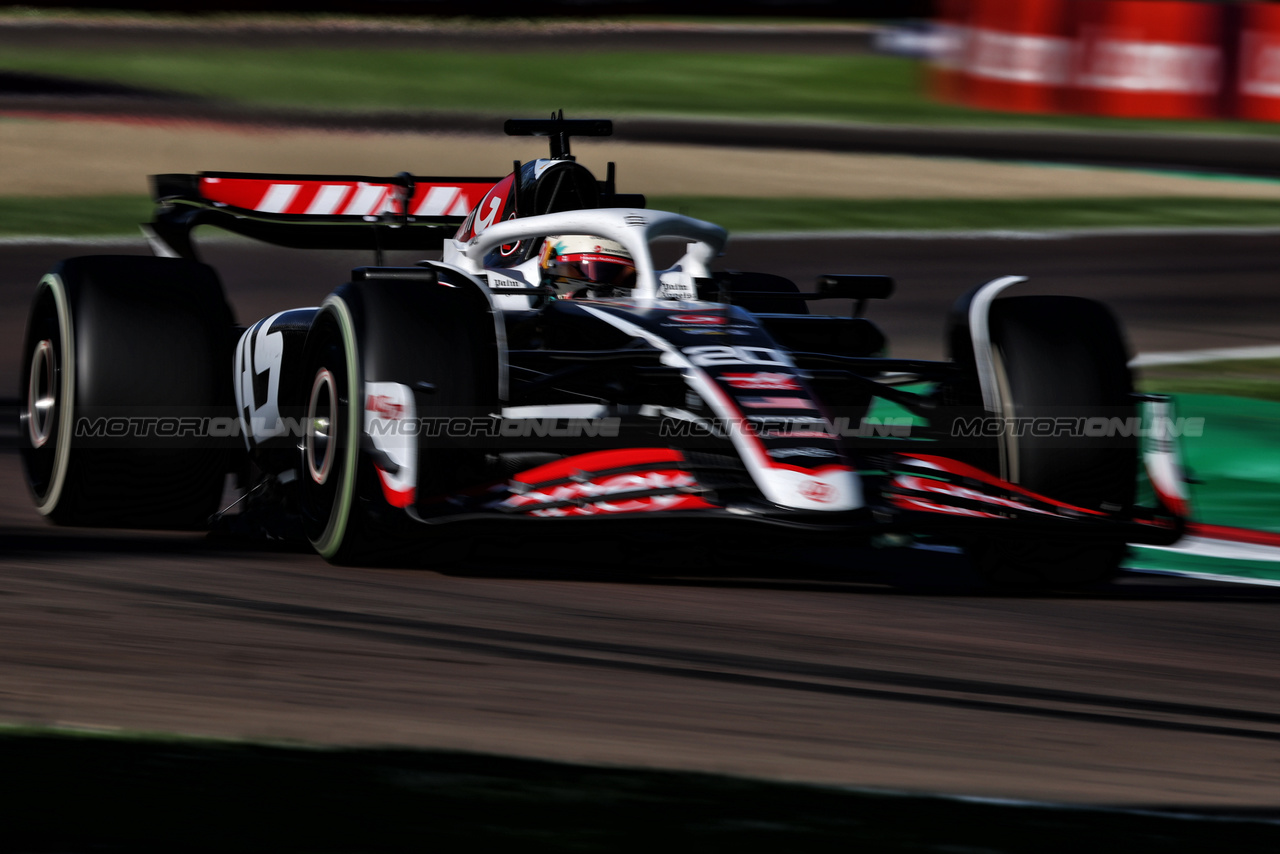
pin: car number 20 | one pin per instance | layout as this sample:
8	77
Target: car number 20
723	354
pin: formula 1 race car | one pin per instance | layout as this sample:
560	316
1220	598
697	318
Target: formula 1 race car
548	372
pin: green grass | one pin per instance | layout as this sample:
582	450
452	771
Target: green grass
213	20
533	83
1255	378
891	214
106	215
84	216
853	88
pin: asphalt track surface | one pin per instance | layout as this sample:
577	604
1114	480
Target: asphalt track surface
886	669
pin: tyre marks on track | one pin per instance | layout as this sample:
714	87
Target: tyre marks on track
727	668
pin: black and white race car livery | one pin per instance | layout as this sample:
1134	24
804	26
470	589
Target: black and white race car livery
477	390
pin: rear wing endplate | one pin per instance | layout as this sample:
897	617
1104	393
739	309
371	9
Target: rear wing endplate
312	211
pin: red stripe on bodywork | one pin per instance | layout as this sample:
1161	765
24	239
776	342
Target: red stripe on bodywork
1176	504
964	470
928	507
653	504
395	497
760	451
599	461
645	484
1238	535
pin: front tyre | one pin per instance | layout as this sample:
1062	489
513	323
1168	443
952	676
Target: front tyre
1062	360
331	441
439	345
50	386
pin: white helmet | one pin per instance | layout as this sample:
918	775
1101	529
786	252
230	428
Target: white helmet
582	260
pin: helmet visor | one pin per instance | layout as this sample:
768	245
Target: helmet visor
595	269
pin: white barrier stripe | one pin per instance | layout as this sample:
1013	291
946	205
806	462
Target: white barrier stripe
1232	550
1190	357
1207	576
1020	58
1126	65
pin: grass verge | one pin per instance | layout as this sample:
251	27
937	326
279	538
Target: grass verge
515	83
131	794
1255	378
911	214
81	216
209	20
109	215
849	88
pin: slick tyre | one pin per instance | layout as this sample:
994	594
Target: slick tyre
1061	361
438	341
121	355
330	469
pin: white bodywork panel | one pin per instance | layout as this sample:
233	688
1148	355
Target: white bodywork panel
387	407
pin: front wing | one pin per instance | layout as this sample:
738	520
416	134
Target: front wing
911	493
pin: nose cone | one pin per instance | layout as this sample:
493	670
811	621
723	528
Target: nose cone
830	488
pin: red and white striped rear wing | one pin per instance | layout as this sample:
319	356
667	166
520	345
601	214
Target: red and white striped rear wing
315	211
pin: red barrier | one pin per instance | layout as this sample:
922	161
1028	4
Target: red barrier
946	73
1258	95
1148	58
1135	58
1019	55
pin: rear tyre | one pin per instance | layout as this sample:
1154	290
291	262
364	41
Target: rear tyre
1058	357
130	342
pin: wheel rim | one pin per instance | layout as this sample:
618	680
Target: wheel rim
41	394
321	426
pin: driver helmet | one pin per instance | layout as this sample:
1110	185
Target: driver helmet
600	265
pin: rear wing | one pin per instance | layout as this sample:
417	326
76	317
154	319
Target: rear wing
312	211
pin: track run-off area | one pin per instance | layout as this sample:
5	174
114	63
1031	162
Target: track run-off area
887	669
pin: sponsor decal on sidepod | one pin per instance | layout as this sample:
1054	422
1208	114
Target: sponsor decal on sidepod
762	381
698	318
589	496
